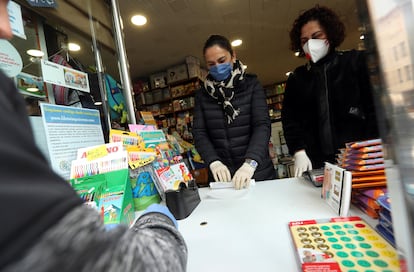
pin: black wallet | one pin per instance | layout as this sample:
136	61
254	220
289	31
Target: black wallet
183	201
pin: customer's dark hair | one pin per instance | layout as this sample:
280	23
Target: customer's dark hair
329	21
219	40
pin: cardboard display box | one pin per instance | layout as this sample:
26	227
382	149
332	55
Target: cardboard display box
177	73
113	196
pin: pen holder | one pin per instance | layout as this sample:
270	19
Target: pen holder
183	201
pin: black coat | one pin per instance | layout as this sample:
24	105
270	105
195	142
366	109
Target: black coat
246	137
328	104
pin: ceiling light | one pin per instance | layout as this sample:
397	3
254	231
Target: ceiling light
32	89
97	103
288	73
297	53
73	47
244	67
139	20
236	42
35	53
362	37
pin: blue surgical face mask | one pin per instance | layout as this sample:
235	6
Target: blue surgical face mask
221	71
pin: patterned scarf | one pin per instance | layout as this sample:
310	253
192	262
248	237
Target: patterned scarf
223	91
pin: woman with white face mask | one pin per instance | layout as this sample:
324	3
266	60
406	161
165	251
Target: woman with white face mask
328	101
231	119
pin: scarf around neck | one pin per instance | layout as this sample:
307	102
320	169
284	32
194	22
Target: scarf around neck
223	91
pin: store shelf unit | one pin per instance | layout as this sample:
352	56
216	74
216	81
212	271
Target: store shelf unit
172	105
274	98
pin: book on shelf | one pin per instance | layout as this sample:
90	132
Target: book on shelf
148	118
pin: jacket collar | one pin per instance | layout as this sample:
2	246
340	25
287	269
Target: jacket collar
327	59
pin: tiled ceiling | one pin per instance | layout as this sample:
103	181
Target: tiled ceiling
177	28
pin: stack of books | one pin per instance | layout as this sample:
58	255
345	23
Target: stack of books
367	200
365	160
384	226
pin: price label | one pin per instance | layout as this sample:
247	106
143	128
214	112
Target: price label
96	153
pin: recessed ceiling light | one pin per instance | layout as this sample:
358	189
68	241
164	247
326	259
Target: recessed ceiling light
35	53
236	42
139	20
32	89
288	73
362	37
297	53
73	47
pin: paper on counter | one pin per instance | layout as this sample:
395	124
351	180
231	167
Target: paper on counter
227	190
226	185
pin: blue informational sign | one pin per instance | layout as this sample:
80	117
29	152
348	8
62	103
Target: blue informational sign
43	3
70	115
68	129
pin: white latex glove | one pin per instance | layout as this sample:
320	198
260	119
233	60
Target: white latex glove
243	175
302	163
220	172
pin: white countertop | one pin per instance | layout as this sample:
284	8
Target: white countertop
250	233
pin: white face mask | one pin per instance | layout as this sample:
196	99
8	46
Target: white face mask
315	49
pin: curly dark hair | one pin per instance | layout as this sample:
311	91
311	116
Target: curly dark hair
329	21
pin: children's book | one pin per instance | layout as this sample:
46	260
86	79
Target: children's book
170	177
148	118
152	138
336	188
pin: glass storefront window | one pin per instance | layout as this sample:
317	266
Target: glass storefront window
50	31
392	58
29	76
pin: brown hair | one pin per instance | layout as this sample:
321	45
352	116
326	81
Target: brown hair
329	21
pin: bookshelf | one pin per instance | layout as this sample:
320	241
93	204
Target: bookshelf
274	98
172	105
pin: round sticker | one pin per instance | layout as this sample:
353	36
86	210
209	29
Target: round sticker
10	61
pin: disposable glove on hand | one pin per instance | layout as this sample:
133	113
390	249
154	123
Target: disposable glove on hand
158	208
243	175
302	163
220	172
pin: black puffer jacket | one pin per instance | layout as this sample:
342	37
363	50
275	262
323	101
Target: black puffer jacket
246	137
327	104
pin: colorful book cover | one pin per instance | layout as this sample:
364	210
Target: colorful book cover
110	207
172	176
112	193
148	118
360	144
336	188
152	138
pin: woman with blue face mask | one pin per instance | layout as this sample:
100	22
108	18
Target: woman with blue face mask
231	119
328	101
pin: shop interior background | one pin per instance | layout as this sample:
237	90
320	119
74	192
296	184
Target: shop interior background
178	28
